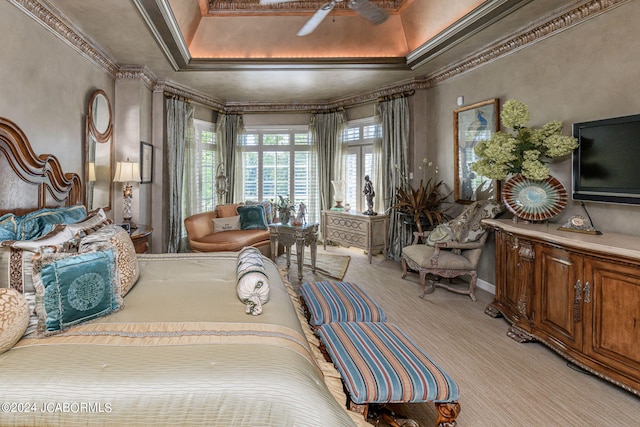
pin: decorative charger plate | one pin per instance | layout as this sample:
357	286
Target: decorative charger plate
534	200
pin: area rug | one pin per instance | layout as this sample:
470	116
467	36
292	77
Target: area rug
328	266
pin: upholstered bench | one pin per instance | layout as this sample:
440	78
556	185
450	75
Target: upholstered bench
379	364
339	302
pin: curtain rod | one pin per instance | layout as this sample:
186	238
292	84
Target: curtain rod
398	95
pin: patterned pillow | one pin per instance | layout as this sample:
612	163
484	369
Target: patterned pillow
94	221
252	218
226	224
126	259
74	288
441	233
467	226
16	270
8	227
225	211
252	283
14	318
268	209
40	222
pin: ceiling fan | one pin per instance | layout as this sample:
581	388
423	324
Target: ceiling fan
364	8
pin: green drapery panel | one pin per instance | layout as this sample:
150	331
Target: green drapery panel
326	137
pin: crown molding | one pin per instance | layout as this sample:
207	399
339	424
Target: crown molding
47	15
136	72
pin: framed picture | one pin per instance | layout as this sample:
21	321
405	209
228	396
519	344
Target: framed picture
472	124
146	162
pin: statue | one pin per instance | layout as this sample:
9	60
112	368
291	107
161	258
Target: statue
369	194
302	214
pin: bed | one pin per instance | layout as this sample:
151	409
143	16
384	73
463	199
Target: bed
182	351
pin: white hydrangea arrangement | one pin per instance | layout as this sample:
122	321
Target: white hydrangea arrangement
526	151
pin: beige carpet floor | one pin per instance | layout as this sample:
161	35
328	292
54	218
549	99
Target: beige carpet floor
329	266
502	382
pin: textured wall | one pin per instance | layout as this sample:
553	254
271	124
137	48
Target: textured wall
585	73
45	87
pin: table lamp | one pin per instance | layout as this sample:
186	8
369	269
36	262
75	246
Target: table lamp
127	172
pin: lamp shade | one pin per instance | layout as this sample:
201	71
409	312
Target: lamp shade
127	172
92	171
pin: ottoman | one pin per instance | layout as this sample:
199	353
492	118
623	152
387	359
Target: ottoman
339	302
379	364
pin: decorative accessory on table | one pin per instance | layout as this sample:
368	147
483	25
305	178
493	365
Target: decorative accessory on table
338	194
252	282
580	224
534	199
127	172
285	209
524	154
369	194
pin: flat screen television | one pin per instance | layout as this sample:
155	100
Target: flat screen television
606	164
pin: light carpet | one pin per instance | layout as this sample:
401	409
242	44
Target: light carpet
328	267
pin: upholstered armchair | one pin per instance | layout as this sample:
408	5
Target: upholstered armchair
451	249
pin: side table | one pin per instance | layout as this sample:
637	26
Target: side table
301	235
141	238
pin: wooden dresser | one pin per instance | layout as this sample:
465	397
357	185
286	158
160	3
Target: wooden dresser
368	232
577	293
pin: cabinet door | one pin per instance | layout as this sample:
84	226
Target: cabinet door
560	296
612	315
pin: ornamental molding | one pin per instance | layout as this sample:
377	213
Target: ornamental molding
134	72
58	24
43	12
219	7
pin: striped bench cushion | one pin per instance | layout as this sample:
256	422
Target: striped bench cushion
339	302
380	364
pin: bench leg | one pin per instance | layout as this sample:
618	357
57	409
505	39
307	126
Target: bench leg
360	409
447	414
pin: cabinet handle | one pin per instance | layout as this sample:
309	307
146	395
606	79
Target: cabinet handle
587	293
576	300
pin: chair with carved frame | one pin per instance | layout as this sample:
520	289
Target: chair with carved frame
452	249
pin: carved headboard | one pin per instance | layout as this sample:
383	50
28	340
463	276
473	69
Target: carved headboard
29	182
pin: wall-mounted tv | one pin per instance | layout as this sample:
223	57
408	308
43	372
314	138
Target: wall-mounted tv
606	164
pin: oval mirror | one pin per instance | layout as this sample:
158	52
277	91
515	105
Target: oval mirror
99	152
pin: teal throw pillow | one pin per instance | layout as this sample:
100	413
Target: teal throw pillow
268	209
252	218
74	289
38	223
8	227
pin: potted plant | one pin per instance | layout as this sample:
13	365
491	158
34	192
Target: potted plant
423	205
285	209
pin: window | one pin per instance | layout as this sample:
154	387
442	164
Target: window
280	162
206	165
358	159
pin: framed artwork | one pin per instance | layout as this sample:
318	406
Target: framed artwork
472	124
146	162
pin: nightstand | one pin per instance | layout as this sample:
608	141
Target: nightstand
141	238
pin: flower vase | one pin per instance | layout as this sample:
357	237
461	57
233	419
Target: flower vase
533	199
285	217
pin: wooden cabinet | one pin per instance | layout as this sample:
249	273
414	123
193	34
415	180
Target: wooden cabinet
577	293
368	232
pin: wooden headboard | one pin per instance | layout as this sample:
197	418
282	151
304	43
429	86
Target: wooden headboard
29	182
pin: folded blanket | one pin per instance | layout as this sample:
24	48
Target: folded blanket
253	284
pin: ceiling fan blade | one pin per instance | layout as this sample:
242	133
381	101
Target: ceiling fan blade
316	19
369	11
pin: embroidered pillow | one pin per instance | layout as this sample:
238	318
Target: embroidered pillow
225	211
14	318
442	233
74	288
226	224
8	227
126	259
16	270
40	222
252	218
252	283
